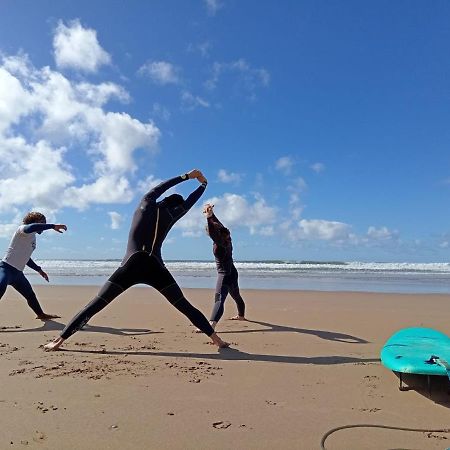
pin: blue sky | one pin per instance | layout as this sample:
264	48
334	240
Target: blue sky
322	127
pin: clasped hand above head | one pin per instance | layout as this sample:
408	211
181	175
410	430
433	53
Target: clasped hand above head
195	173
208	210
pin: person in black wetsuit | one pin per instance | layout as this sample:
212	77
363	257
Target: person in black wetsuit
227	278
143	263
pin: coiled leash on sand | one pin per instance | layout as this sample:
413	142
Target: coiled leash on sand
371	425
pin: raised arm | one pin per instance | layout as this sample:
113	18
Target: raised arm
194	196
157	191
215	227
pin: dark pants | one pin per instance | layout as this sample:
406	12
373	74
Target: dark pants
144	268
11	276
227	283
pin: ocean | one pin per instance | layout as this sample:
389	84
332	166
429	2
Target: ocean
290	275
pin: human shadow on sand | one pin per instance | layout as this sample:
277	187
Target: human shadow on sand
232	354
436	388
53	325
328	335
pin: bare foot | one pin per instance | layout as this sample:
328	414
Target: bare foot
238	318
45	317
54	345
217	341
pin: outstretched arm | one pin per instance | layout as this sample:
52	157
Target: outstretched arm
39	227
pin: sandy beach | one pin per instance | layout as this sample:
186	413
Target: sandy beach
138	377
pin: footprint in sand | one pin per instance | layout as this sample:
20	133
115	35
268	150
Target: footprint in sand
221	424
39	436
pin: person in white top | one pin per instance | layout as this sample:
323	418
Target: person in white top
18	255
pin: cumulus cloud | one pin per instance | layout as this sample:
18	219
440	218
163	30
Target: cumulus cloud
381	234
229	177
116	220
284	165
234	211
78	48
161	72
34	174
105	189
45	118
325	230
318	167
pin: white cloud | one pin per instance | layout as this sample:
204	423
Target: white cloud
267	231
213	6
249	78
78	47
444	244
318	167
161	72
190	101
381	234
324	230
105	189
229	177
234	211
116	220
56	118
284	165
32	173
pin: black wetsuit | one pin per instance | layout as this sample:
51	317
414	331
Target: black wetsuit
227	278
143	263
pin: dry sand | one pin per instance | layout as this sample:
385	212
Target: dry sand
138	377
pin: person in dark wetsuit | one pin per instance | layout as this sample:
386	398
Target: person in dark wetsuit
18	255
143	263
227	279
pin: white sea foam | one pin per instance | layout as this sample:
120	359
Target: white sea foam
309	275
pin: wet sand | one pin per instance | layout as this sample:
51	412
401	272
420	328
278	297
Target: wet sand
139	377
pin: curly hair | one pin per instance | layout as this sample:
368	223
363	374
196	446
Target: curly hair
34	217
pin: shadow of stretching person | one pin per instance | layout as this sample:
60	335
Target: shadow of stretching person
53	325
328	335
233	354
143	262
